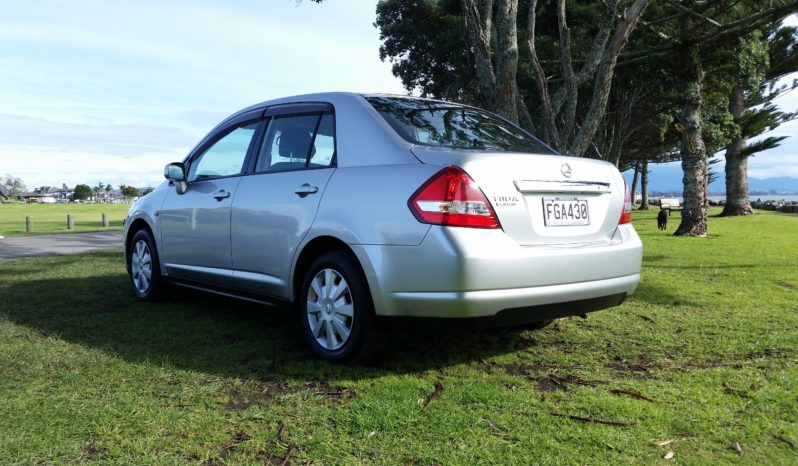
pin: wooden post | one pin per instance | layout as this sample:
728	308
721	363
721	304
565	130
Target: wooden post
105	219
28	223
70	222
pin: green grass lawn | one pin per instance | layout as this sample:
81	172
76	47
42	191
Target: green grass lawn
52	218
703	355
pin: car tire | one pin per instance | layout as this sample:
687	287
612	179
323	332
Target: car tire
336	312
144	267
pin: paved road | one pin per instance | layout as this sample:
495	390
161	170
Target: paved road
68	243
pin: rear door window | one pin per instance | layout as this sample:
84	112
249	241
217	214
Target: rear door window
297	142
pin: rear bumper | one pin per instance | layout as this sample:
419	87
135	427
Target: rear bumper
527	304
517	316
472	273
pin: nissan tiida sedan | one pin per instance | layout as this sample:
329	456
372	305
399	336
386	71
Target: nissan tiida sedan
356	209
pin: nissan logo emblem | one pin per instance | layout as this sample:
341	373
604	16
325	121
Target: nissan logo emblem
566	170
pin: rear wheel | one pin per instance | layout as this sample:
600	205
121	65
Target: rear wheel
145	271
336	311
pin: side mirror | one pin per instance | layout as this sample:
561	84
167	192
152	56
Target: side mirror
176	174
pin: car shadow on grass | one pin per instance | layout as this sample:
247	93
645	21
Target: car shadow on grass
202	332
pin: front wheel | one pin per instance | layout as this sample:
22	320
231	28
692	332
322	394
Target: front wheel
335	310
144	268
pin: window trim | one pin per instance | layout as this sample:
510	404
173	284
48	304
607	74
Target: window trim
294	109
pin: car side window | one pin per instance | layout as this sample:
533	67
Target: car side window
295	142
324	144
225	157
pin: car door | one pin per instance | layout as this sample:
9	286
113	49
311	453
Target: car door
275	205
195	225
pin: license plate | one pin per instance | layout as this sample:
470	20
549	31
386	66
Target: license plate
565	212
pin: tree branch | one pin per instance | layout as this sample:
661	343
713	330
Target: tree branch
552	137
569	80
694	13
737	27
603	81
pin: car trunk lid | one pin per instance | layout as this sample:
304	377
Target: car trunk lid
543	199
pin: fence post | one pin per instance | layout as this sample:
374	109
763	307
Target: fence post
28	223
70	222
105	219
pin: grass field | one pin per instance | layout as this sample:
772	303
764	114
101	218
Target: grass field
702	360
52	218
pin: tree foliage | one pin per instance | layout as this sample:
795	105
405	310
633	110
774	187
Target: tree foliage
13	186
129	191
665	96
81	192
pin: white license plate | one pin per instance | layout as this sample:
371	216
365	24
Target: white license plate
565	212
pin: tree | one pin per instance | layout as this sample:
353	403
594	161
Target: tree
129	191
82	192
566	86
97	190
147	190
566	104
690	33
44	189
560	124
751	104
424	41
644	185
13	186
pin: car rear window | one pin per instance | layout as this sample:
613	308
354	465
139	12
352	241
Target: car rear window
443	124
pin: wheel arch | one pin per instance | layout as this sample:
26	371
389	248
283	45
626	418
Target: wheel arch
134	227
313	249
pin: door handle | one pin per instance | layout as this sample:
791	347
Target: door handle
306	189
221	194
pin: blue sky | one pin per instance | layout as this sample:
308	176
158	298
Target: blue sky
98	91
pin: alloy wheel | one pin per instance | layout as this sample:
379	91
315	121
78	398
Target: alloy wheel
141	266
330	310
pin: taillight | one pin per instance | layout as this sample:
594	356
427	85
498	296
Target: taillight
626	213
452	198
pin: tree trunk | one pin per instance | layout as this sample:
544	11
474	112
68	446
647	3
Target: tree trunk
633	188
496	69
693	150
644	186
737	202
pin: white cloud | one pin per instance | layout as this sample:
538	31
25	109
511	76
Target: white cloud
111	91
120	139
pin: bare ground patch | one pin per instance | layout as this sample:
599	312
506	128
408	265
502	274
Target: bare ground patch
240	399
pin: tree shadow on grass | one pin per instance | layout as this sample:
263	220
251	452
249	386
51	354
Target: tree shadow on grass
226	337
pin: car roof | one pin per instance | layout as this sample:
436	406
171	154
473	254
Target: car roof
330	97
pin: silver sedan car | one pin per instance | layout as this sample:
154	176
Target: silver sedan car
358	209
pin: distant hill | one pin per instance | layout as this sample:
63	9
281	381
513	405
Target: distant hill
668	178
781	184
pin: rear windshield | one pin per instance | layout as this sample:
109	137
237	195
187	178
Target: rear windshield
443	124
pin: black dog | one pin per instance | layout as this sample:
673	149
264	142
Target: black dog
662	220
